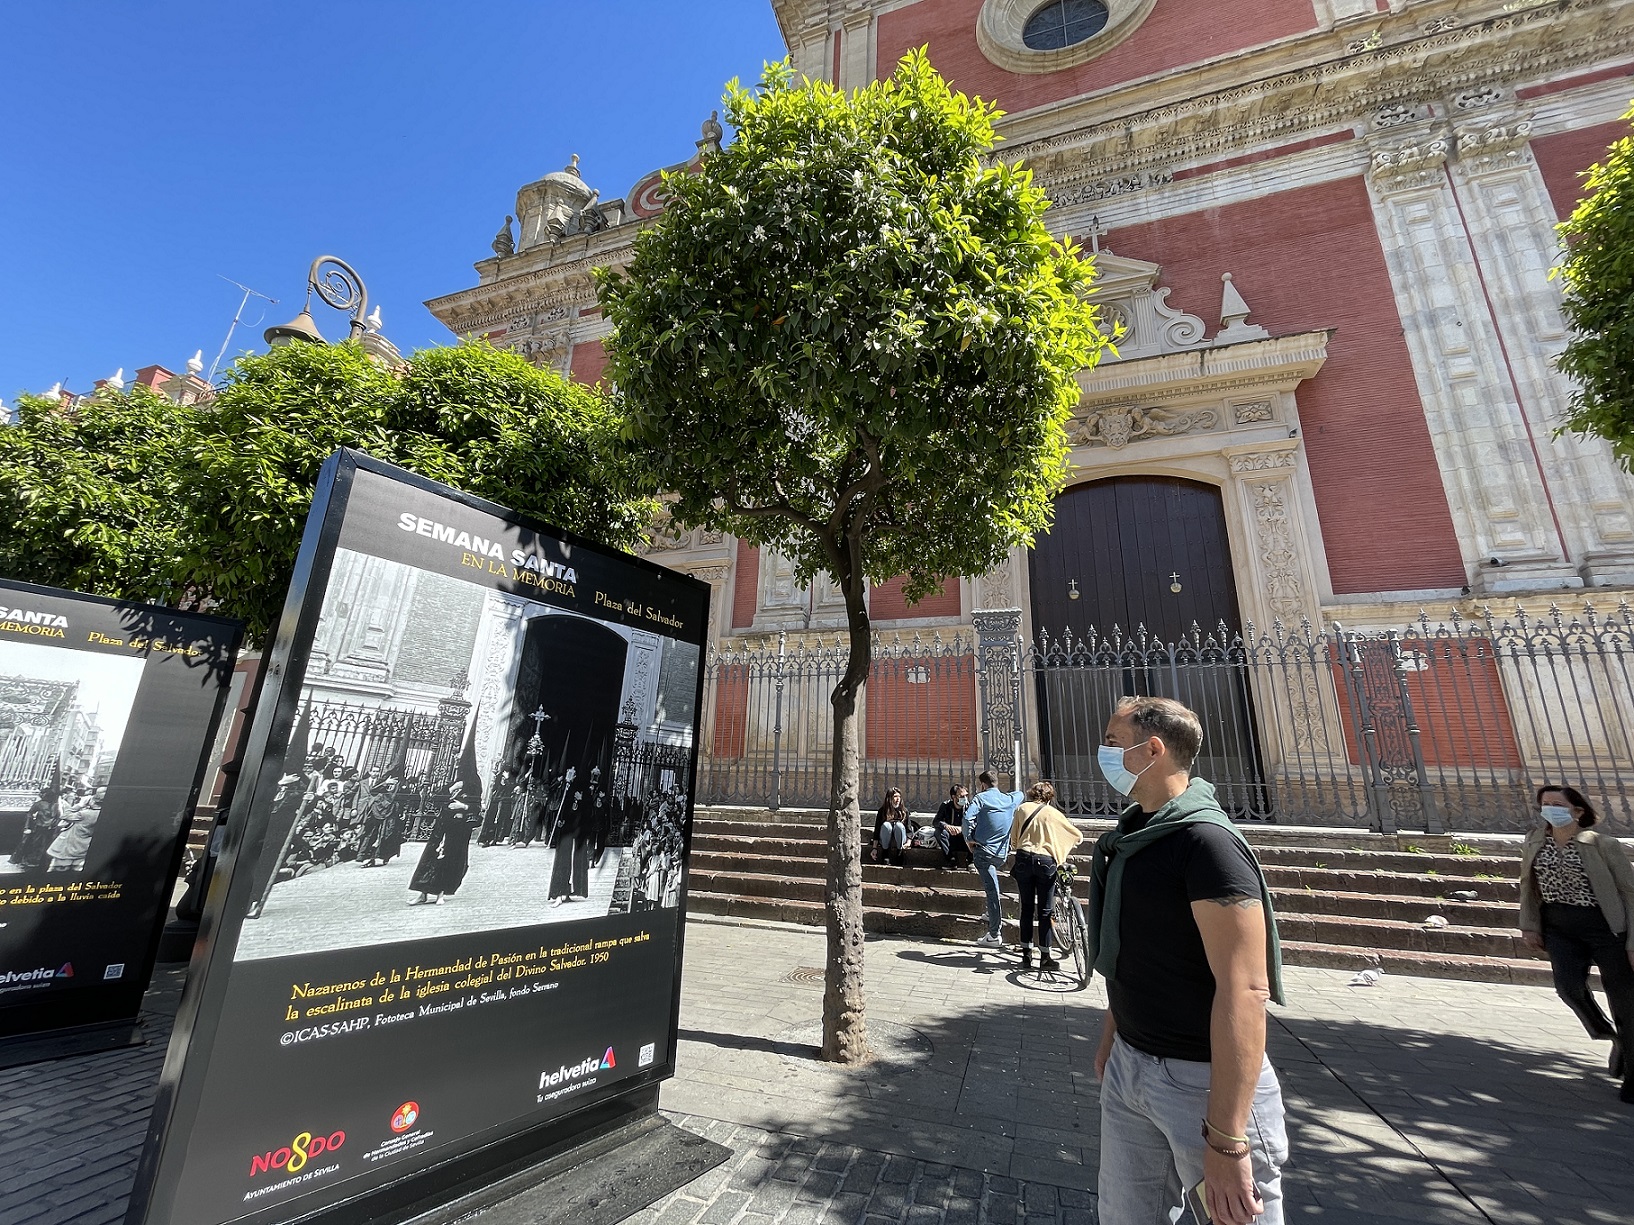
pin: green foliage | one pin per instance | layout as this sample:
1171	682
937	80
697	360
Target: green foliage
479	418
849	339
1599	305
93	501
139	498
1464	848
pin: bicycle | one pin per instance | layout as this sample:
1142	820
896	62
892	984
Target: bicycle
1071	927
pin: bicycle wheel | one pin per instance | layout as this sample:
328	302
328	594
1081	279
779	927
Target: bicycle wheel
1078	931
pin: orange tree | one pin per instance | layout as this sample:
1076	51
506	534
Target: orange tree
1599	282
134	497
851	339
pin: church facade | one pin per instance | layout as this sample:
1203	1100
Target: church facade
1326	228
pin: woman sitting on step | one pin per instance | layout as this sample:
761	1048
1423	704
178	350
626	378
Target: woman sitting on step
891	829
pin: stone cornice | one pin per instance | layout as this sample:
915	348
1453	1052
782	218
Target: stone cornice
1309	84
1420	65
541	287
1280	363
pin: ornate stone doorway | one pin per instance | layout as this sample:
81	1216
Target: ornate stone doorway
1134	556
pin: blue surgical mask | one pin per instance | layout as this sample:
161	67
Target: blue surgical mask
1122	779
1557	815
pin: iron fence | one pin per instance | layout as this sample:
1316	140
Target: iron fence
1434	726
768	731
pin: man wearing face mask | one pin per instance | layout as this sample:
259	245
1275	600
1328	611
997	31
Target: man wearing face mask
1181	926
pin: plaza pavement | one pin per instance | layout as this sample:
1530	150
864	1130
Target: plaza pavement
1415	1100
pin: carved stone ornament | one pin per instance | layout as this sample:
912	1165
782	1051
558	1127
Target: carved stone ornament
1248	414
1273	526
1396	114
544	350
994	587
1475	99
1119	425
1103	189
1262	461
1127	292
503	243
664	535
1494	147
713	574
1413	162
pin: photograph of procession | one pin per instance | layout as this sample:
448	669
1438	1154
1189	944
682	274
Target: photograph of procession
468	760
62	718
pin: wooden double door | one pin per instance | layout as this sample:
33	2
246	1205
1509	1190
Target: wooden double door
1108	569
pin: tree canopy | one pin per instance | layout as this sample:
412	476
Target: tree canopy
134	497
94	500
1599	305
849	318
852	339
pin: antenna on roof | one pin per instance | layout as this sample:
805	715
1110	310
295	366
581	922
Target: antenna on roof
237	316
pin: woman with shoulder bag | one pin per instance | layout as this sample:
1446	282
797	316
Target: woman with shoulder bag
1041	838
1577	902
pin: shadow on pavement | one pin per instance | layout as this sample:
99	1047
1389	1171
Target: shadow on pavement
1387	1124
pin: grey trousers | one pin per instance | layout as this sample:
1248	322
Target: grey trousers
1151	1137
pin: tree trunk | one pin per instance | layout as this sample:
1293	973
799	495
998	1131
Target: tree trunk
845	1021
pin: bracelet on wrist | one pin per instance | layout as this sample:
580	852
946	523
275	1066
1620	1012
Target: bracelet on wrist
1223	1134
1236	1154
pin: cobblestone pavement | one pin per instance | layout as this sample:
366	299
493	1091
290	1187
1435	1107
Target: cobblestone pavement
1415	1100
72	1130
796	1181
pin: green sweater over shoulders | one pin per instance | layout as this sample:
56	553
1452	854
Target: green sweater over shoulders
1194	806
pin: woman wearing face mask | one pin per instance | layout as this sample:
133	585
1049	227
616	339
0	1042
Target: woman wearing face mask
1577	902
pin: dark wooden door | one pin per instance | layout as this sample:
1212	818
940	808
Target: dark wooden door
1123	544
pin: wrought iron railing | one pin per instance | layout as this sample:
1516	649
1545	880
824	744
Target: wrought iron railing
1434	726
768	722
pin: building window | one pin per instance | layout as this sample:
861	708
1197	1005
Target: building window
1041	36
1064	23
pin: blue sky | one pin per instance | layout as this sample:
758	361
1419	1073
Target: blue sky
147	146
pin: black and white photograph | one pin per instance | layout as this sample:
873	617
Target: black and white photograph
62	719
465	759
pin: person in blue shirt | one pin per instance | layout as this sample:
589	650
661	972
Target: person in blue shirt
987	834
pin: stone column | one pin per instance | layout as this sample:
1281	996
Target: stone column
715	575
1481	436
1511	222
1291	685
856	50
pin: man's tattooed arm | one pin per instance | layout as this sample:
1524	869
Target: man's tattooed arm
1240	900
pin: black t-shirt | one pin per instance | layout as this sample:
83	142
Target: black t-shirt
1163	991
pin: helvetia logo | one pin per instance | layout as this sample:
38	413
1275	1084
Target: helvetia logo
39	974
405	1116
549	1080
293	1156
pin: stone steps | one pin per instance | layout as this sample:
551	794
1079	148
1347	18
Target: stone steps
1345	899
